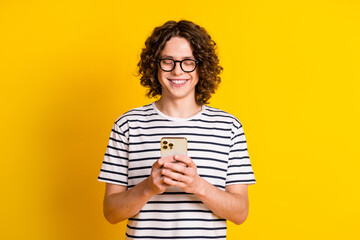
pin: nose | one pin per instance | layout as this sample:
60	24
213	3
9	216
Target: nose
177	70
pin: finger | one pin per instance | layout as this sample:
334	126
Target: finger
172	182
162	182
160	162
185	159
157	164
175	175
168	159
178	167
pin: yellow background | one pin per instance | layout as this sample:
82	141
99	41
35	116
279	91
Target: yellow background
68	70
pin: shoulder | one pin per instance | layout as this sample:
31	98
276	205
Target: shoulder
216	112
135	113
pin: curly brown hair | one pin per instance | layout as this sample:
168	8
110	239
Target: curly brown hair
203	50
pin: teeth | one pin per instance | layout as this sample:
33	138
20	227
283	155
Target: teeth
178	81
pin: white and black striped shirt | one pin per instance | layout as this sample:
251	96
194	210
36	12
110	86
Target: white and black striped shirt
217	145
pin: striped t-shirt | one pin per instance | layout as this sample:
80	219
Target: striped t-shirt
217	145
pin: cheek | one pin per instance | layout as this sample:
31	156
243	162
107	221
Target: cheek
195	76
160	76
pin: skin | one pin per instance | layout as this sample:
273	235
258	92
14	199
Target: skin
177	100
175	97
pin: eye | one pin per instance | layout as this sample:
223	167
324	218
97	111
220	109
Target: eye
167	62
189	62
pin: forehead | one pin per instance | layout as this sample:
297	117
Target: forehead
177	47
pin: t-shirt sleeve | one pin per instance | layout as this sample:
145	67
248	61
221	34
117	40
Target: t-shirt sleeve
114	167
239	167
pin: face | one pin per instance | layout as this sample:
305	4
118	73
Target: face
177	84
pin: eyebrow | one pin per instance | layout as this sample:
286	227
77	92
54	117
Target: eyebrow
171	57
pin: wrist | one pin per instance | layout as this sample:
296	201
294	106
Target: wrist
147	190
202	188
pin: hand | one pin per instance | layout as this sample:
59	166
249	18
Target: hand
155	181
183	174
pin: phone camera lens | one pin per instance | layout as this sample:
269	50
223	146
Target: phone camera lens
165	147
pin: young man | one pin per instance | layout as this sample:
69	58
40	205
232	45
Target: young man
181	197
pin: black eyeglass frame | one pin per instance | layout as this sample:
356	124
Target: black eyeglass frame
177	61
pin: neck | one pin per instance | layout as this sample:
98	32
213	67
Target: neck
178	109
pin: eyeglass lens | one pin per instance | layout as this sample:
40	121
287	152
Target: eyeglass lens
186	65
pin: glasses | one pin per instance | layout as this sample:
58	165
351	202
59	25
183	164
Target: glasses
187	65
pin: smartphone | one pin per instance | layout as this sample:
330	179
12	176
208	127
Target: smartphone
171	146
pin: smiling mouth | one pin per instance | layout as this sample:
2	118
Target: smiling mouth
178	81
